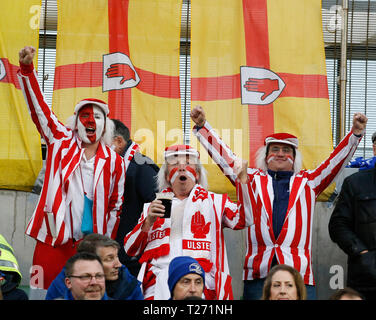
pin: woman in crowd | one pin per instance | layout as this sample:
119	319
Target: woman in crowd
284	283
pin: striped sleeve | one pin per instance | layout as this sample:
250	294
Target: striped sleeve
116	198
234	214
45	120
324	174
136	240
244	193
217	149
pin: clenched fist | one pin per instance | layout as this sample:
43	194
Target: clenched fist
359	123
27	55
198	116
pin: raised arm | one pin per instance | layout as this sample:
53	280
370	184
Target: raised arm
223	156
324	174
45	120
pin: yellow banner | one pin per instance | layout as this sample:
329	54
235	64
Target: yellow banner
20	142
258	67
125	52
217	52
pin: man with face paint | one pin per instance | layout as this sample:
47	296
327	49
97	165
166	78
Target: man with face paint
279	196
84	180
194	229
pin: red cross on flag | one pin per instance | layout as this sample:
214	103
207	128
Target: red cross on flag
258	67
125	52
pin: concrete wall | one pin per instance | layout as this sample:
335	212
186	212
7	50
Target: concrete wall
16	209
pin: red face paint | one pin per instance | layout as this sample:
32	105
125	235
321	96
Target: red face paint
190	173
86	118
173	175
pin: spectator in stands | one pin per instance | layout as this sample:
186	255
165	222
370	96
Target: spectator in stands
140	188
352	226
186	278
194	229
346	294
279	196
84	278
120	284
84	181
10	275
284	283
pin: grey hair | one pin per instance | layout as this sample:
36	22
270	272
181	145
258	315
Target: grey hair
108	129
261	159
162	174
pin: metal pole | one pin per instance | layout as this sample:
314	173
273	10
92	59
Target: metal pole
44	43
343	71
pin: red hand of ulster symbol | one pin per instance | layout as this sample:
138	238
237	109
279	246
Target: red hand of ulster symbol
120	70
265	86
198	226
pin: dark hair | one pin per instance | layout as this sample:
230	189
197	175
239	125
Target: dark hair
299	283
94	240
345	291
373	138
121	129
87	256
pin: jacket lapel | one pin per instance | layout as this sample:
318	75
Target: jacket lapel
264	187
296	187
100	161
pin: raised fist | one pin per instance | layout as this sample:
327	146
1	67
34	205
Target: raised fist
359	123
198	116
27	55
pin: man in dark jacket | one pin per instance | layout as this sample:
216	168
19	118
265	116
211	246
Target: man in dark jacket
353	227
84	278
120	284
140	188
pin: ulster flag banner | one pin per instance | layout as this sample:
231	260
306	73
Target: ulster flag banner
259	68
125	52
20	143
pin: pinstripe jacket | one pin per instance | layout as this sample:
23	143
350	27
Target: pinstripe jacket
53	219
293	245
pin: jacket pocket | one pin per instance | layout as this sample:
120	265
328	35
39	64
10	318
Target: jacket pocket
362	269
366	208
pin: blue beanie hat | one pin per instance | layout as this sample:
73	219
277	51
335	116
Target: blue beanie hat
179	267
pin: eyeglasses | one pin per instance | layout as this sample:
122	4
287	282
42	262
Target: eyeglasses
276	149
88	277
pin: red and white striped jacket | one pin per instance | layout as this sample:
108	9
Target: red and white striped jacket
293	245
205	216
52	218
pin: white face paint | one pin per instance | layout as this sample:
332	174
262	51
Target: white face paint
90	123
